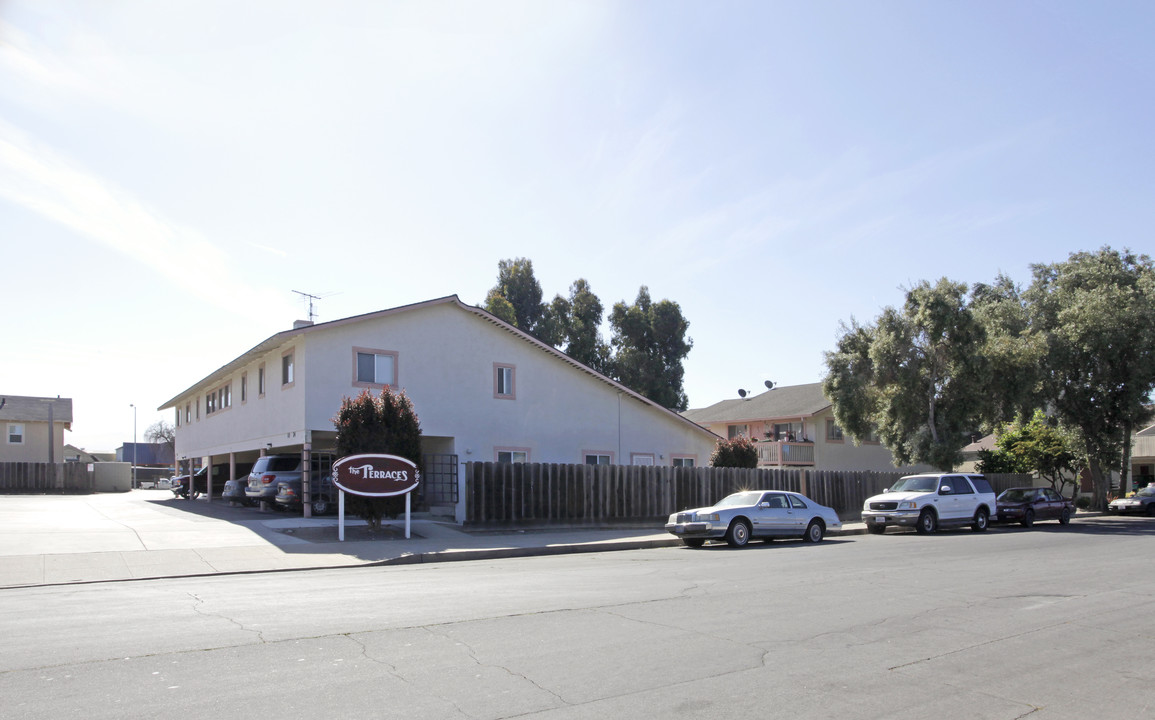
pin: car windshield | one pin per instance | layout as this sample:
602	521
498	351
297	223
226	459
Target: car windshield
1017	495
739	499
916	483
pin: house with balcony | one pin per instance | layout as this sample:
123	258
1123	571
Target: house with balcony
483	390
793	426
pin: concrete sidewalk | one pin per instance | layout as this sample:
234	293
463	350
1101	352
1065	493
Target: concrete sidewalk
56	540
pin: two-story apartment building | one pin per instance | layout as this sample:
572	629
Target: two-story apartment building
27	424
793	426
483	390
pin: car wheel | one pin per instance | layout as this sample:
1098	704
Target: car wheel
320	507
876	529
694	542
1028	518
981	521
814	531
1065	518
927	522
738	534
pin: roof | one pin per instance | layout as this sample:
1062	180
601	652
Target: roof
784	402
281	338
19	408
987	442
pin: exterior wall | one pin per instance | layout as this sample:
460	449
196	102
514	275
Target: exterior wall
35	445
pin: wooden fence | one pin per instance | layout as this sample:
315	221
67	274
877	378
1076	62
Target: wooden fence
29	477
525	493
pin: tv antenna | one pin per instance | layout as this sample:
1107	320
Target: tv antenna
310	298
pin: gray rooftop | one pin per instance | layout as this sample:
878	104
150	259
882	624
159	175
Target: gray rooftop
785	402
21	408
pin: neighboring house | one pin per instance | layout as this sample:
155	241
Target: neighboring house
158	455
80	455
793	426
26	423
970	453
483	390
1143	458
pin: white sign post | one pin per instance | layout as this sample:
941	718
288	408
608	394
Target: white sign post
374	476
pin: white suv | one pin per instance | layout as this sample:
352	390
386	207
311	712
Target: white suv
929	502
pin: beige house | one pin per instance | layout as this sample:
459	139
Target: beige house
27	424
793	426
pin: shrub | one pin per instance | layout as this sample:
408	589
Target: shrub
739	452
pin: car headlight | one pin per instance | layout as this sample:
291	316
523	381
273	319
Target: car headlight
908	505
712	517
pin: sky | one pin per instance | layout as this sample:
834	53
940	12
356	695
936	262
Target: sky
171	172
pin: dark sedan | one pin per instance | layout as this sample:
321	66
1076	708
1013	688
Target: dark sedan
1025	505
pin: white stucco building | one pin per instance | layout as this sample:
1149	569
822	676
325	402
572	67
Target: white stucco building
483	390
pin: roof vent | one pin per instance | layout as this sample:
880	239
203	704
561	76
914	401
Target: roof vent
298	324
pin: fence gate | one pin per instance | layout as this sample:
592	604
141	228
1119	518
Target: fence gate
439	480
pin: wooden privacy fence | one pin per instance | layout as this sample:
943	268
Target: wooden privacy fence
510	493
29	477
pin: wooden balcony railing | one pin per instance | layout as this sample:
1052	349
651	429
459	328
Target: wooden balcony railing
772	453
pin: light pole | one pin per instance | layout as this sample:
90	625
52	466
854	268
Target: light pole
133	406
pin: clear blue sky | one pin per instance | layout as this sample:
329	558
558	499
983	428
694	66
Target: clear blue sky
171	171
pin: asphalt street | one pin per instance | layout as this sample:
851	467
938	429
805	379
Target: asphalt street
1048	623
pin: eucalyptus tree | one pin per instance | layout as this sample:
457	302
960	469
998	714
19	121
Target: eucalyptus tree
649	344
516	298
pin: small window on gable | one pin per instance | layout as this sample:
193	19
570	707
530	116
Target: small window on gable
374	368
503	382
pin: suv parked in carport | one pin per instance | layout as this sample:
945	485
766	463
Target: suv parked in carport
928	502
267	472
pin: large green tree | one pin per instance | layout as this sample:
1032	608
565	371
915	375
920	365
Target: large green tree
1095	315
574	325
1039	447
516	298
385	424
649	344
917	375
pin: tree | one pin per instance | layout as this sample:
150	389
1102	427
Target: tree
917	376
521	291
574	326
162	433
1095	316
385	424
1039	447
737	452
649	343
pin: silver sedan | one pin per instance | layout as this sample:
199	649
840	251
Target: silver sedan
755	514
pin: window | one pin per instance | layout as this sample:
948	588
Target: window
641	458
228	396
833	432
287	369
774	500
512	456
187	413
796	501
734	431
683	462
244	388
15	434
210	403
374	368
261	381
597	459
503	382
198	408
178	414
787	432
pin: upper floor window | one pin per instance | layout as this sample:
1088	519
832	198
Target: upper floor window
733	431
503	381
15	434
833	432
187	413
374	367
287	368
261	381
512	456
178	417
244	387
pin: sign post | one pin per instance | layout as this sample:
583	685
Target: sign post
372	475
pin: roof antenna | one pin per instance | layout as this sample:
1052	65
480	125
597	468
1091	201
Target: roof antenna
311	299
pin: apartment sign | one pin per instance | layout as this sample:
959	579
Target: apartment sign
375	475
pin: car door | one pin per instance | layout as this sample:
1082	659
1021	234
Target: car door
773	515
1049	504
947	502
